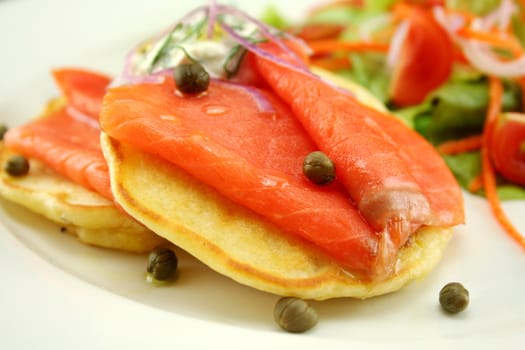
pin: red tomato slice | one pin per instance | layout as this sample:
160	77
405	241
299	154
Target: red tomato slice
507	147
425	60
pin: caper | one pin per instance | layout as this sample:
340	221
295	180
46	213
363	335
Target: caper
17	166
294	315
191	78
162	264
453	297
318	168
3	130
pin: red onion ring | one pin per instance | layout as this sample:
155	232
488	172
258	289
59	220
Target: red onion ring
479	54
212	16
265	30
263	105
212	11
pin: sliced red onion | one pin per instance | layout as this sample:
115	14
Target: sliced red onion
302	69
212	16
212	11
450	22
483	58
262	102
188	18
82	117
480	55
260	52
265	30
263	105
130	77
502	15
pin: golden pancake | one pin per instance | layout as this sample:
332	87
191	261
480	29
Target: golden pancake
92	218
241	245
238	243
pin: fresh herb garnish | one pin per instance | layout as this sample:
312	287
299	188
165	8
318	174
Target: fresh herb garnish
216	36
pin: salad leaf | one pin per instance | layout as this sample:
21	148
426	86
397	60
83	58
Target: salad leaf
475	7
345	15
467	166
416	117
369	71
519	28
273	17
511	192
350	15
457	109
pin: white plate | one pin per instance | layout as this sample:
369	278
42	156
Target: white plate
57	293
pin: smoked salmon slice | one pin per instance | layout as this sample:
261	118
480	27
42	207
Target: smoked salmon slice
247	144
397	180
431	173
83	89
67	140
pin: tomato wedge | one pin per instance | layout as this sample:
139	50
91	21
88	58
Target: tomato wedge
507	147
425	59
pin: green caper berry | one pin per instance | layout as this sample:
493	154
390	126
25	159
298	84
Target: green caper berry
17	166
3	130
294	315
162	263
191	78
453	297
318	168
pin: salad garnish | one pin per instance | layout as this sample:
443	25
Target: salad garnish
487	42
466	144
488	172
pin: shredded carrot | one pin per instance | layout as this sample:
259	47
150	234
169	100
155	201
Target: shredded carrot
475	184
467	144
467	16
383	34
331	62
401	10
331	45
488	173
493	38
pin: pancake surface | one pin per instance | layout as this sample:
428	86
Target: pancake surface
238	243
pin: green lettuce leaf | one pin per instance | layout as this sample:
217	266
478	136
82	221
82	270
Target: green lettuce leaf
467	166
